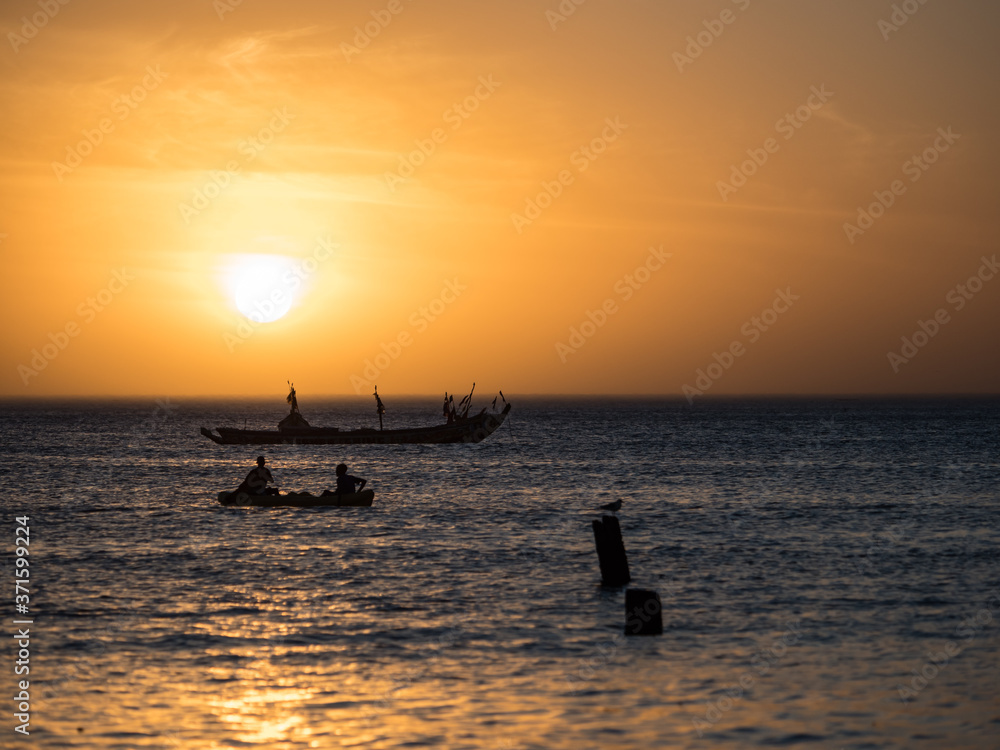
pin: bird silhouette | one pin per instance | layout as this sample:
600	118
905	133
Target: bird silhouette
613	507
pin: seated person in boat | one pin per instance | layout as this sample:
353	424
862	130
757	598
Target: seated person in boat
346	482
257	480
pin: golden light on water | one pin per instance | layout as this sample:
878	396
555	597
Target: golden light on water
264	716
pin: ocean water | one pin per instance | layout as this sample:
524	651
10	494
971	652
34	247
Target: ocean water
829	573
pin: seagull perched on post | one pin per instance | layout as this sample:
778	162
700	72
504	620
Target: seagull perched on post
613	507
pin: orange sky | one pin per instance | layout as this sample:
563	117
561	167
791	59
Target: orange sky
149	153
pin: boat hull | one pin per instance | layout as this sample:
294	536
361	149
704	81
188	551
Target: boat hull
469	430
361	499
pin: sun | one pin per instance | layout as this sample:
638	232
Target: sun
263	287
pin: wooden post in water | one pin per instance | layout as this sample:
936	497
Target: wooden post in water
611	552
643	612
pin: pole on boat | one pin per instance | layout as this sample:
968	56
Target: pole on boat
466	403
379	407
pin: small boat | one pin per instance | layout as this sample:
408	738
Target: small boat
295	430
361	499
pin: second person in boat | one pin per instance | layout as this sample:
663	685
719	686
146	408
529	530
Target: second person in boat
346	483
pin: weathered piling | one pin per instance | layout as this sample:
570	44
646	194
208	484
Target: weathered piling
643	612
611	552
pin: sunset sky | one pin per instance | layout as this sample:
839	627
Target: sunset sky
438	193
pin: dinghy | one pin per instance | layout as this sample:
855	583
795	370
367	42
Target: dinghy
361	499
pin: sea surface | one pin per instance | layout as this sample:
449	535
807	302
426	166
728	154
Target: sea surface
829	572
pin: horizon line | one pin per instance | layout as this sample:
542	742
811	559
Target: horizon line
663	396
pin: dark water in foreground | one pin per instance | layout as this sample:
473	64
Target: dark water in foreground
829	572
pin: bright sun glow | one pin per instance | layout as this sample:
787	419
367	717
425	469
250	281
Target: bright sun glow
262	286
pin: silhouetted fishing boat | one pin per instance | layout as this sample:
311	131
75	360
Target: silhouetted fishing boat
293	429
361	499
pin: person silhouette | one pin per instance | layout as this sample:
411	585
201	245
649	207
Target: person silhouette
257	480
346	482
